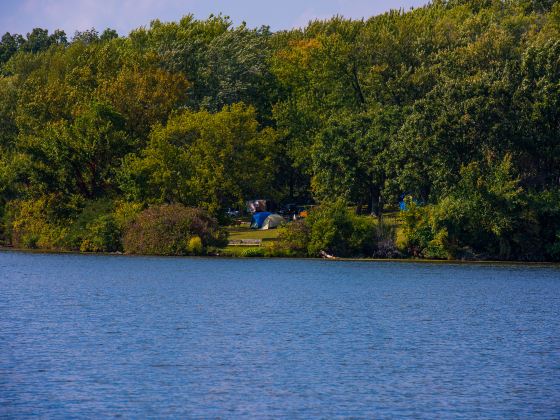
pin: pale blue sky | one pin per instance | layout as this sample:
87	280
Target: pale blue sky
21	16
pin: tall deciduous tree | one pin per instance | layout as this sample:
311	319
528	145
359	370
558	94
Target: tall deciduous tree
198	158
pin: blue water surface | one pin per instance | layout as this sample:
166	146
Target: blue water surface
98	336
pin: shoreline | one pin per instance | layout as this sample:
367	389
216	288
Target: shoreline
337	259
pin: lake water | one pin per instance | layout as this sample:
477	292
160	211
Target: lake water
98	336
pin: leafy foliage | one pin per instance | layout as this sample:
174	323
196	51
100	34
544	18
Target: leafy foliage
172	229
331	228
486	215
202	159
455	103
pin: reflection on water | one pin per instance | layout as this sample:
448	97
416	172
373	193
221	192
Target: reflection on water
97	336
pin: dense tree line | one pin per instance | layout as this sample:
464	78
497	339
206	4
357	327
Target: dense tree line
455	105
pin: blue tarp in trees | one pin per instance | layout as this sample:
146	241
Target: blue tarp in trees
402	204
258	219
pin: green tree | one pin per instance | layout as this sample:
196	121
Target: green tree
203	159
77	157
10	44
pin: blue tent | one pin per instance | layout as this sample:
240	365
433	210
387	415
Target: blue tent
258	219
402	203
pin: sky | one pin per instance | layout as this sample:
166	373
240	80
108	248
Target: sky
21	16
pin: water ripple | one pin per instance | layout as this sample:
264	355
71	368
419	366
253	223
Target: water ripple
102	336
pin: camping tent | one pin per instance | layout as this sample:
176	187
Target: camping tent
258	219
273	221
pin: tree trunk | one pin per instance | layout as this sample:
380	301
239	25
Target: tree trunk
375	193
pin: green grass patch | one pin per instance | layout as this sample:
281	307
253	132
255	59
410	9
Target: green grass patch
243	232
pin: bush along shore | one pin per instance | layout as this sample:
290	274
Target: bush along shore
332	231
141	143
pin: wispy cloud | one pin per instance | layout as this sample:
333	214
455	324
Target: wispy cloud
72	15
124	15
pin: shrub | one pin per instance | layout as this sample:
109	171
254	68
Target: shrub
547	205
125	212
486	215
419	235
93	228
363	239
33	224
293	240
3	230
52	222
331	228
168	229
487	211
195	245
338	231
101	235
